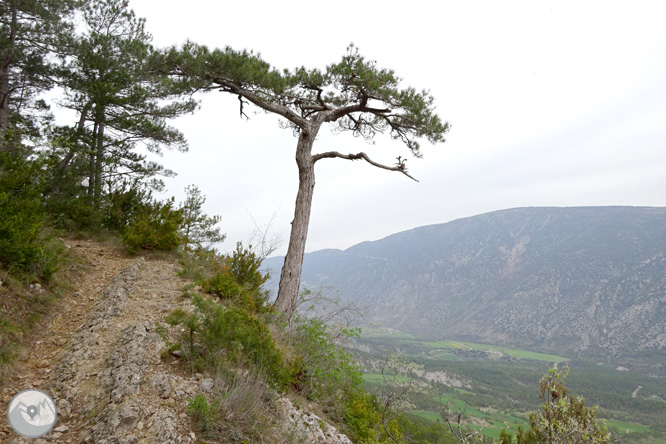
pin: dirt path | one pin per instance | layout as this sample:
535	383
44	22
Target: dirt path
98	355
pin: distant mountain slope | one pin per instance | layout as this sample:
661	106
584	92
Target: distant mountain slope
588	280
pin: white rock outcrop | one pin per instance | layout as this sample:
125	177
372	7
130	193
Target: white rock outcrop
308	426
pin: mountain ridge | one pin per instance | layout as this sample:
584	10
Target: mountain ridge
584	281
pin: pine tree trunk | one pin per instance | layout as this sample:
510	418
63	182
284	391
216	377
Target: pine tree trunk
91	163
99	165
5	73
4	95
290	278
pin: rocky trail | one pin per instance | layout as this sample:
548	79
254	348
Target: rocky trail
97	354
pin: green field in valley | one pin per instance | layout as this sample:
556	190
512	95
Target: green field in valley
627	427
442	349
495	387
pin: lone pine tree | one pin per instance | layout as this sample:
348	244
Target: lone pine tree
352	95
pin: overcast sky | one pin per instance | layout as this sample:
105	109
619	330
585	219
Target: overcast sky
551	103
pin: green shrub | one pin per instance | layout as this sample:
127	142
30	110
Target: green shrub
562	419
125	204
156	228
21	215
72	213
362	417
238	278
241	335
419	430
25	245
217	334
244	265
198	229
327	367
197	265
202	412
565	419
222	285
189	320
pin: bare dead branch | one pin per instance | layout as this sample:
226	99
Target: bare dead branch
262	239
338	314
395	393
332	154
462	435
240	99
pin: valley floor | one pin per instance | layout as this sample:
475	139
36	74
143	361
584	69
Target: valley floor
496	387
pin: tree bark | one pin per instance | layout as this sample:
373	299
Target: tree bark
5	73
99	165
91	163
290	277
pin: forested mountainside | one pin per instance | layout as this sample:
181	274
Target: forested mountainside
587	281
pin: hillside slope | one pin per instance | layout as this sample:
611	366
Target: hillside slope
97	354
587	281
100	352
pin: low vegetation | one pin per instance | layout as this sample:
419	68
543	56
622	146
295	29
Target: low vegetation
255	357
499	391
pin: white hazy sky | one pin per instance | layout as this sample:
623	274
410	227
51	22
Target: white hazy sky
552	103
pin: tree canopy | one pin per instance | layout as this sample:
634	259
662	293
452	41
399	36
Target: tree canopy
353	95
31	32
119	101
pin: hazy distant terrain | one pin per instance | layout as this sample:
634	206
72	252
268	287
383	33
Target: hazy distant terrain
588	281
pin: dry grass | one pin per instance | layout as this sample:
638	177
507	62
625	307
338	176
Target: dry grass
244	409
23	303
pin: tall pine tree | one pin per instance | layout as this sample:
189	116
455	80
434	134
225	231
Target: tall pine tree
352	95
31	33
121	104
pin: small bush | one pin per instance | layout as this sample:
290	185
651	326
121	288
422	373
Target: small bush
21	216
73	213
244	266
189	320
26	247
327	368
564	419
242	411
327	373
202	412
198	265
154	229
238	278
361	415
198	229
218	334
125	204
222	285
242	337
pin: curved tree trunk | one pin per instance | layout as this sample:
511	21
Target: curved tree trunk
290	277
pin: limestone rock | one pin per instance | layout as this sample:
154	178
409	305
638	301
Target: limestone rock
309	426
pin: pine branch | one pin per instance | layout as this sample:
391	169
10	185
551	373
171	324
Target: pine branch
332	154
